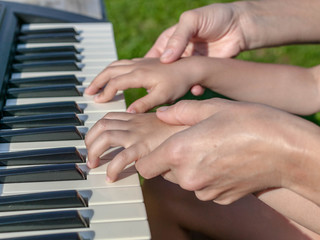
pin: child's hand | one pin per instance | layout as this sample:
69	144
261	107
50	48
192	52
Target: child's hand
164	82
138	133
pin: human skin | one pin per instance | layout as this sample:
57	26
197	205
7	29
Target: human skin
240	80
139	134
243	148
230	150
217	30
224	30
237	148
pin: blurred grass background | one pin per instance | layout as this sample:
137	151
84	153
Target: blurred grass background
138	23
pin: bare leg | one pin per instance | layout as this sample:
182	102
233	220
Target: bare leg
173	211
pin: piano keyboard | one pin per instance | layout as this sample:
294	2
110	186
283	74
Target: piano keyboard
46	189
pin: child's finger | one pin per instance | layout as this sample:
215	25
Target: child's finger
123	159
103	125
147	102
107	139
122	82
104	77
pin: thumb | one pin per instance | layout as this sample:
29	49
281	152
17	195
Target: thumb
187	112
177	43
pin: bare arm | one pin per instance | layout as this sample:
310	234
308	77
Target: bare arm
273	22
224	30
291	88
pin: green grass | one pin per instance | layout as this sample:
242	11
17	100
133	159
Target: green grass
137	24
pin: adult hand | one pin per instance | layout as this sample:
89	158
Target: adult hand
214	30
234	148
139	134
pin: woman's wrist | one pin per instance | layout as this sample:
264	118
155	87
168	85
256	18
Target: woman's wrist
301	170
273	23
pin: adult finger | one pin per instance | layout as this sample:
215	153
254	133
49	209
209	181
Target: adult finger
177	43
145	103
155	163
158	47
197	90
123	159
169	176
124	116
189	112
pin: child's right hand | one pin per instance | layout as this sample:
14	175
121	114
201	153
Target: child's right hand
163	82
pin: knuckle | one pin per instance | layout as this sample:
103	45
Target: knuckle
102	124
141	105
122	158
112	84
203	196
224	201
109	115
139	73
188	16
176	152
188	183
142	171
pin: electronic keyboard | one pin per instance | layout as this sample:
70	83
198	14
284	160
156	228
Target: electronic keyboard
48	57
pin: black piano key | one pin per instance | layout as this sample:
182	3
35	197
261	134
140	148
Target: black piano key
69	48
42	173
43	81
49	38
49	30
43	221
42	200
57	236
47	66
43	120
41	134
41	108
47	56
42	156
63	90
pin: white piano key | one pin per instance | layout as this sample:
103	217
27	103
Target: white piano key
101	169
85	72
91	107
98	213
85	78
103	107
119	195
10	147
126	179
99	231
103	47
107	26
92	117
103	196
116	102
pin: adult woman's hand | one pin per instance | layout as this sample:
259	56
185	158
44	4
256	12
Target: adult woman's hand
233	148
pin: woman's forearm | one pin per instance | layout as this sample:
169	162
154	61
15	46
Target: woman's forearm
277	22
293	89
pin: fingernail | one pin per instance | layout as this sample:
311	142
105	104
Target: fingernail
167	53
162	109
131	111
96	97
88	164
108	180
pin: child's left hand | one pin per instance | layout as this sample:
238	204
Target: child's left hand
164	82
